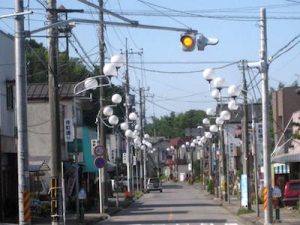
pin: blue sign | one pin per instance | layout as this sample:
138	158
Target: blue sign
244	190
99	162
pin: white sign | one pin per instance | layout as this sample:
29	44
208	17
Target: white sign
94	143
124	158
68	130
244	190
134	160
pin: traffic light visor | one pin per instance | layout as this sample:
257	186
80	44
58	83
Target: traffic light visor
187	41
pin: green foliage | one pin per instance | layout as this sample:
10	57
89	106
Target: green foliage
210	186
174	125
197	167
69	69
244	211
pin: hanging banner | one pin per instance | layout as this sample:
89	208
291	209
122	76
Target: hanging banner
68	130
244	190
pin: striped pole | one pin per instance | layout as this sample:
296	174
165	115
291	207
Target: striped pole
265	191
27	212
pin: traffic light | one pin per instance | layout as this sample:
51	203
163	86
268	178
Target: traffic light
188	41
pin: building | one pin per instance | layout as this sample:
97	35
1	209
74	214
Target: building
8	149
284	103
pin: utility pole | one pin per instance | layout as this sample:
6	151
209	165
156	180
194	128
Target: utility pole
128	153
141	134
54	109
145	150
245	136
21	97
265	116
254	153
100	128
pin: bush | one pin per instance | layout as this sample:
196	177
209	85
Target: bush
210	186
244	211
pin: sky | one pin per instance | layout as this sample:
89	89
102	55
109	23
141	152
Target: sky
173	78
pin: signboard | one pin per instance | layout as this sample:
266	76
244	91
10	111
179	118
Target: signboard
99	162
99	150
134	160
124	157
94	142
68	130
244	190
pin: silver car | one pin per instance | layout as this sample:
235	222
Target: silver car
154	184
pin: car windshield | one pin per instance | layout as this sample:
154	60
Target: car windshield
154	180
295	186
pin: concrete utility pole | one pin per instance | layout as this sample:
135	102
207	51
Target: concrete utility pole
141	135
245	134
128	153
101	128
265	116
54	109
21	104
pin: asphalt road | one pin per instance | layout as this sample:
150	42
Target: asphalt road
178	204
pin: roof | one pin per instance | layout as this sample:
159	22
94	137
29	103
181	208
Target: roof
38	91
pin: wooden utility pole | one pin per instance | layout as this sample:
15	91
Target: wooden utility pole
101	128
54	109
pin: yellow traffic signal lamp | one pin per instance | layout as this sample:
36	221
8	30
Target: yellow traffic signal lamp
188	41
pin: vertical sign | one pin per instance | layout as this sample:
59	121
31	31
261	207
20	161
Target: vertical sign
124	157
94	142
244	190
68	130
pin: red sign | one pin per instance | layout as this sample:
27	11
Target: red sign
99	150
169	162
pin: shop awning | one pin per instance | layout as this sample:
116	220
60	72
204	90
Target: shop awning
38	165
281	155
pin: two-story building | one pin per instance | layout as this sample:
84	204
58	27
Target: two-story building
8	149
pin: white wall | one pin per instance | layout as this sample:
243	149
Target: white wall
7	72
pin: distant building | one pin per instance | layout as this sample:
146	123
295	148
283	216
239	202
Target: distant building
8	149
286	155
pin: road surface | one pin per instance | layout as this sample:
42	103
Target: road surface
178	204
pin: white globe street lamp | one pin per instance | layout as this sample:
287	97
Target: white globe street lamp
132	116
206	121
116	98
218	83
232	105
219	121
146	136
208	74
128	133
210	112
117	61
108	111
213	128
208	135
225	115
90	83
109	69
234	91
124	126
215	93
113	120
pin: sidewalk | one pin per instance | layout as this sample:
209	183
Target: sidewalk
90	217
288	216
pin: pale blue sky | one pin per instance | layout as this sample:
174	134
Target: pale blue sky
233	22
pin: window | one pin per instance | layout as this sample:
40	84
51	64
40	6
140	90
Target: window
10	95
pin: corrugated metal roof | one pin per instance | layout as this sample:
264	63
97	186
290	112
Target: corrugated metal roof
36	91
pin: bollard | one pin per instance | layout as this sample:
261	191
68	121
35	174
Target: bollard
277	214
81	211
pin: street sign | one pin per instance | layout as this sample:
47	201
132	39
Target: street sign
99	150
68	130
99	162
124	158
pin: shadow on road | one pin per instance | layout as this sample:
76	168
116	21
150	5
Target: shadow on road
183	221
171	186
179	205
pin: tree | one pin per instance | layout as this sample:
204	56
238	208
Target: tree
70	69
175	125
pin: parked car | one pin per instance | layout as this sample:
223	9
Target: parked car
291	193
154	184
